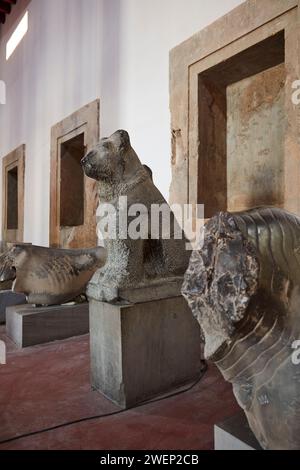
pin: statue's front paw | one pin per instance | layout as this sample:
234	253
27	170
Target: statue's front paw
101	288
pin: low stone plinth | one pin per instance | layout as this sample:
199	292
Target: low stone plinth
28	325
7	299
139	351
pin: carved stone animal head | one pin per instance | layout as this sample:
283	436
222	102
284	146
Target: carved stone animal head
112	160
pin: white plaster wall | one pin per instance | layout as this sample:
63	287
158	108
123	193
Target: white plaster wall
78	50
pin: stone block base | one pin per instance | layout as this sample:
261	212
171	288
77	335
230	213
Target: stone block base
8	298
139	351
155	290
27	325
235	434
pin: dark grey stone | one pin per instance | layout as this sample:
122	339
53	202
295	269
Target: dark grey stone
133	263
7	299
143	350
28	325
243	286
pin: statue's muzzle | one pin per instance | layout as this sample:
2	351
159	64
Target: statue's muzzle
86	160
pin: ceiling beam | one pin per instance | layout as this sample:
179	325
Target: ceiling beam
5	7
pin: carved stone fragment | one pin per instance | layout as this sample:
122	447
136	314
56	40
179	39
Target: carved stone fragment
49	276
243	288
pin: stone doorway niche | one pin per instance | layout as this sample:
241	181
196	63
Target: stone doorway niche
13	168
235	130
74	197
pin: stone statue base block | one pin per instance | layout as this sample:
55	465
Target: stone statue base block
169	287
7	299
27	325
139	351
235	434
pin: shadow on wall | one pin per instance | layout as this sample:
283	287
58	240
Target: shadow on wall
110	64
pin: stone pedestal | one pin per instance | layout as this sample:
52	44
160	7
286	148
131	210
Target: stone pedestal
155	290
27	325
235	434
8	298
139	351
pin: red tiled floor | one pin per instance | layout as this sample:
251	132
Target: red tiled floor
48	385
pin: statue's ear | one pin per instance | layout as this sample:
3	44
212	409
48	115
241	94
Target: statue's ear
124	140
149	171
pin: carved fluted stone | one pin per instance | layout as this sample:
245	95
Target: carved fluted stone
50	276
243	288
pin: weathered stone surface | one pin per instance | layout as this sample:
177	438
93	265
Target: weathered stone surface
162	289
6	285
226	52
7	299
132	263
49	276
243	288
143	350
28	325
256	126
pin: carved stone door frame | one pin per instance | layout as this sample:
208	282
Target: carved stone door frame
15	160
83	121
247	25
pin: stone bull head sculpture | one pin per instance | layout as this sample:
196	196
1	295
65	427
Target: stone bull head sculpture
50	276
243	288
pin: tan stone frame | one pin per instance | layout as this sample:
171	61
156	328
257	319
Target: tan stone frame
14	159
246	25
85	120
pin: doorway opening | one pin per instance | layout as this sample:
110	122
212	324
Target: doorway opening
242	128
71	173
12	199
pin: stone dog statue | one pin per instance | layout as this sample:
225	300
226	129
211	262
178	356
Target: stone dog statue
243	287
158	264
50	276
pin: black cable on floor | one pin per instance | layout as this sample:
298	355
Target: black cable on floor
114	413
